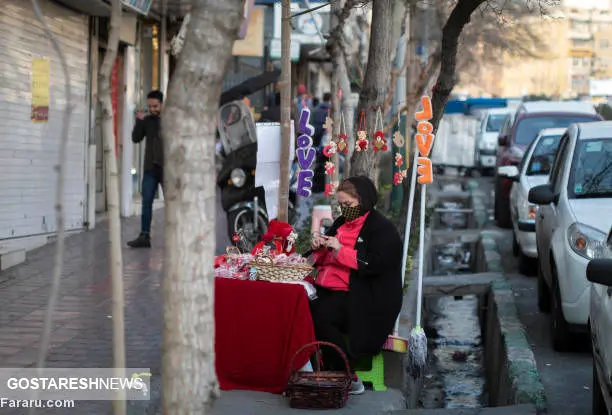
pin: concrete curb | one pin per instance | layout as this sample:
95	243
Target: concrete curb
523	375
522	369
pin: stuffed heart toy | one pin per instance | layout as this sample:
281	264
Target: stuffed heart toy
398	177
330	150
399	160
379	143
341	144
362	141
279	237
329	168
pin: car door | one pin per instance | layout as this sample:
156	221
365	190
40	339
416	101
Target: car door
518	187
546	222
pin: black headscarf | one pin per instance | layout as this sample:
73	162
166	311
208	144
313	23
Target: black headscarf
368	195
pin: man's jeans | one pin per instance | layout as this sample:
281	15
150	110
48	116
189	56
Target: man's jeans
151	179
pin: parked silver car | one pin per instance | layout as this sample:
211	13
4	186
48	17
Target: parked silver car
599	273
533	171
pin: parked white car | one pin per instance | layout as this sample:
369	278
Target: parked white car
533	171
599	272
486	138
572	222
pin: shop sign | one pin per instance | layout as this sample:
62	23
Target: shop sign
275	50
140	6
305	27
252	43
41	74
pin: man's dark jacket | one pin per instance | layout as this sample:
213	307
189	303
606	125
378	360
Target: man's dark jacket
150	127
375	289
318	119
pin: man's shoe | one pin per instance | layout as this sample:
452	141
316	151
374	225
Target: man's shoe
143	241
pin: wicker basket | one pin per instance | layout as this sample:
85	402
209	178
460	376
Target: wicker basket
268	271
320	389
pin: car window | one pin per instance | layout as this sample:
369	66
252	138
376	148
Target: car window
504	128
543	155
495	122
525	157
529	128
556	171
591	173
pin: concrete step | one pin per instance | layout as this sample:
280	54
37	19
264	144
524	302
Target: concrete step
9	257
500	410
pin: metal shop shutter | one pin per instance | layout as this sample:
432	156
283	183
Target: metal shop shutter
28	150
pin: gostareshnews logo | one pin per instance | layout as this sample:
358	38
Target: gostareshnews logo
92	384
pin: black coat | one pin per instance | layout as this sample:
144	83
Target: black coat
375	289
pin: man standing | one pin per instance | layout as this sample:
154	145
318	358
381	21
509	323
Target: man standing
149	126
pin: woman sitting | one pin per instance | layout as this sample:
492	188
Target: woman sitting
359	284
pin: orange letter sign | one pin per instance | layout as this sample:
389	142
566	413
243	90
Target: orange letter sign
427	113
424	144
425	170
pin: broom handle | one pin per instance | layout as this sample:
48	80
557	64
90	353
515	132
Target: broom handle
421	257
407	228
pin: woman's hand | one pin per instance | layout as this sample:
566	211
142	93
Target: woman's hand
317	242
333	243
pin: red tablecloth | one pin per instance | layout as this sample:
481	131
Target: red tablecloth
258	327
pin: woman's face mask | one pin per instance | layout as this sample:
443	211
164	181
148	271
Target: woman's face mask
350	213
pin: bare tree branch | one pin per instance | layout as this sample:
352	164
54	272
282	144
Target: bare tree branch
58	265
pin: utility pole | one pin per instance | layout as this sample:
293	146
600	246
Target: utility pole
283	191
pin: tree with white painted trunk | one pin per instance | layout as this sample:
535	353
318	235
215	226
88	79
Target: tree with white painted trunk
189	123
112	192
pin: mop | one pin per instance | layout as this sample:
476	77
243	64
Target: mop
394	342
417	345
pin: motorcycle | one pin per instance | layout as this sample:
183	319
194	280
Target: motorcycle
241	199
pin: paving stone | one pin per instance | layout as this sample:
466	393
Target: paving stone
82	332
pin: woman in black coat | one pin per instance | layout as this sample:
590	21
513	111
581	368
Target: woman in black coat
359	284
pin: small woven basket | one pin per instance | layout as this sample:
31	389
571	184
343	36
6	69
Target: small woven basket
320	389
268	271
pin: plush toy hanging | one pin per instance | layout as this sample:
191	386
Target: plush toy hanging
398	138
330	189
342	142
362	135
379	143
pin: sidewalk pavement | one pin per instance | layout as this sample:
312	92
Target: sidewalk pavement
82	330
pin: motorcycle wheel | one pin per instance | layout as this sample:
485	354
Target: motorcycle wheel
243	219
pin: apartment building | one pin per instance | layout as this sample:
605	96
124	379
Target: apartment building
578	40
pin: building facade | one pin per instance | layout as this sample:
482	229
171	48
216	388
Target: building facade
33	102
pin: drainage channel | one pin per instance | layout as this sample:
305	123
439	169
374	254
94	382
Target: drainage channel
456	376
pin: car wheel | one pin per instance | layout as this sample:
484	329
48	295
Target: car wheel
543	292
560	334
516	249
525	264
502	208
599	403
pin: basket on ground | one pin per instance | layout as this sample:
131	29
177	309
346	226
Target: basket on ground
319	389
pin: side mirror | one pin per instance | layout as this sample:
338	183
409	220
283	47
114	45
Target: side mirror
542	195
599	271
509	172
502	140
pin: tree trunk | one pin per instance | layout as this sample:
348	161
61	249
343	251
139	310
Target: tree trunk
189	124
447	79
283	191
376	83
112	191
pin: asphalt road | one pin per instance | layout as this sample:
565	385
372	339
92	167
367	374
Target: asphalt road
566	376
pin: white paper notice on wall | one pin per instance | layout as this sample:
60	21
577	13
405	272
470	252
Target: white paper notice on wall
267	172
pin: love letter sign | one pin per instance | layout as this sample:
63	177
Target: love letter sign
424	141
305	154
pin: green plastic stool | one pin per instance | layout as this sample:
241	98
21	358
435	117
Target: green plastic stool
376	375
